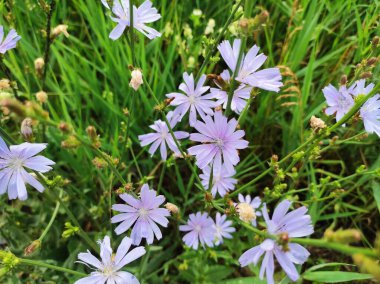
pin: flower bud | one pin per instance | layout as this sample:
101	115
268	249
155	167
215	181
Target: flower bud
317	123
64	127
172	208
366	75
32	247
4	84
367	265
60	29
42	97
91	132
246	212
99	163
136	80
343	236
371	61
26	129
70	143
343	80
39	64
375	41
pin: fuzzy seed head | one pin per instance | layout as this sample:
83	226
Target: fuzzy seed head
246	212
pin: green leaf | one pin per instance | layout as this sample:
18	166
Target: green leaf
376	193
334	276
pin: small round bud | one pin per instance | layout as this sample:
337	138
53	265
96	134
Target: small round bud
375	41
136	80
172	208
39	64
372	61
91	132
42	97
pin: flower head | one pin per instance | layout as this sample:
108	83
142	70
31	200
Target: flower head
370	113
9	42
223	228
240	97
142	15
339	102
222	179
193	99
162	136
254	203
144	213
220	142
267	79
200	228
13	161
295	224
108	269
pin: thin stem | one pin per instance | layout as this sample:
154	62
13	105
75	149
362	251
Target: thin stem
73	219
48	42
32	262
52	219
218	39
346	249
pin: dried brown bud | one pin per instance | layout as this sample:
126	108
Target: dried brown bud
26	129
212	76
366	75
208	197
168	101
343	80
42	97
91	132
372	61
39	64
99	163
32	247
274	158
136	79
64	127
375	41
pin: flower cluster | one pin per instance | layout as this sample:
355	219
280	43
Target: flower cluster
341	101
202	229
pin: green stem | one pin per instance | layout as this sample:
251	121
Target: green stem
32	262
52	219
346	249
73	219
48	42
218	39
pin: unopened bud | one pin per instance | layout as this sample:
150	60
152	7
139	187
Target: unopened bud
343	80
274	158
99	163
32	247
39	64
172	208
367	265
246	212
343	236
366	75
208	197
136	80
70	143
375	41
64	127
4	84
91	132
317	123
42	97
372	61
60	29
26	129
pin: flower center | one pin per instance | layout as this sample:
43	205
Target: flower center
192	99
16	163
219	142
143	212
108	270
198	228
